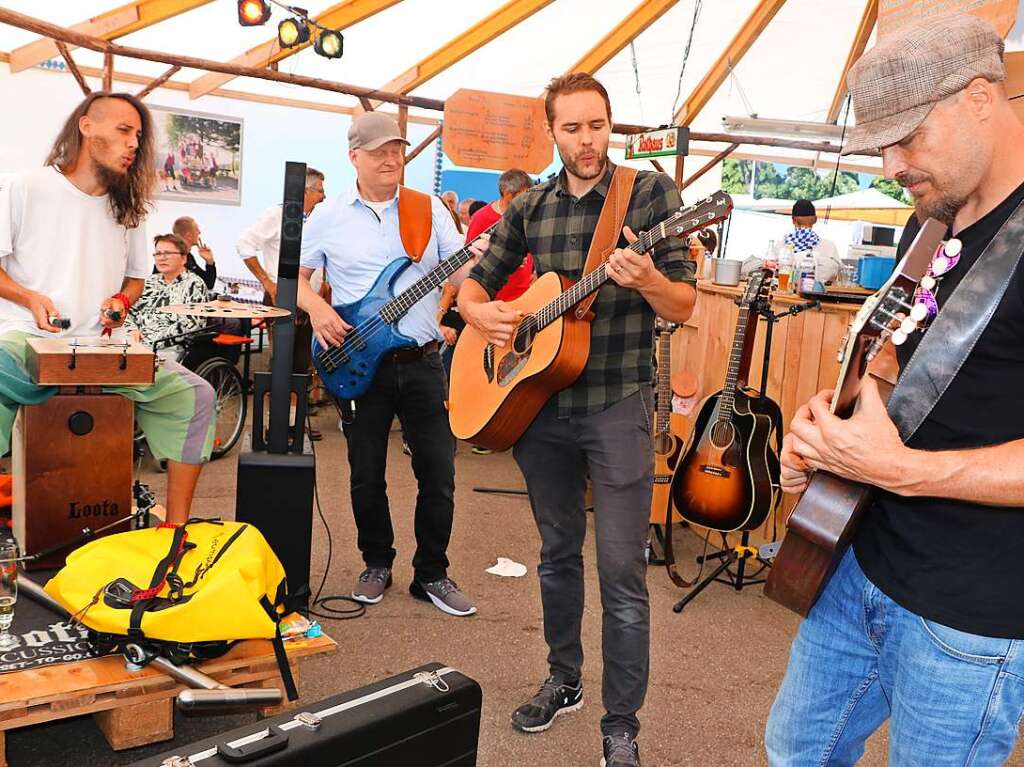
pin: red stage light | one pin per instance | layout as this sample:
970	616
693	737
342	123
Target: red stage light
252	13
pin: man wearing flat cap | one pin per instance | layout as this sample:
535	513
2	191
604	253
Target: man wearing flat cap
922	623
355	236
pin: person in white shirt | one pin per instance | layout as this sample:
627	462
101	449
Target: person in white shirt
72	245
356	235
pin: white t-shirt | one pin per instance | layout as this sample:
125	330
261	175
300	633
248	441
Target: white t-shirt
59	241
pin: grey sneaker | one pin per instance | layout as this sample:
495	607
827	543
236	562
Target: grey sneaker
620	751
445	594
372	583
555	697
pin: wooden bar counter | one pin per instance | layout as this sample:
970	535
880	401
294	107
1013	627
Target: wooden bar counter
803	355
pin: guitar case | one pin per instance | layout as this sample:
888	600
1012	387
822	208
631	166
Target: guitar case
428	717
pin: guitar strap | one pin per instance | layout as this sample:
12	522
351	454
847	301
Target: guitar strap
957	328
609	228
415	221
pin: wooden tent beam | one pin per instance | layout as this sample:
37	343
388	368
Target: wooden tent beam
154	84
108	71
731	56
456	49
73	68
423	145
111	25
92	43
627	30
339	16
860	42
709	165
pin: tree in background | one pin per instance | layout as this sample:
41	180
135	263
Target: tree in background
891	188
798	183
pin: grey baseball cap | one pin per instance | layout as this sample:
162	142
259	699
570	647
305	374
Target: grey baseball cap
372	130
895	85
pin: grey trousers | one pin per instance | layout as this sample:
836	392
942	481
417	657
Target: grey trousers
554	455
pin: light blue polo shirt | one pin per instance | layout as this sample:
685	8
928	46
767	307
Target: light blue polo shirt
345	235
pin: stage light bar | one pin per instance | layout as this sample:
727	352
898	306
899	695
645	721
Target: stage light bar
292	32
789	128
253	13
330	44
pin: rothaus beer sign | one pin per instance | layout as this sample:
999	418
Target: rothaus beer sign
664	142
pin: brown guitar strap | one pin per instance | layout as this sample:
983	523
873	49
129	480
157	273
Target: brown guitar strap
609	227
414	221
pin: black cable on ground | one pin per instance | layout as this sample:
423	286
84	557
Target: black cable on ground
323	607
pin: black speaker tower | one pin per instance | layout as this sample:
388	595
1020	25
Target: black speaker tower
276	469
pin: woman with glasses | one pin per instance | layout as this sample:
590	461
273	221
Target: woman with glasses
172	284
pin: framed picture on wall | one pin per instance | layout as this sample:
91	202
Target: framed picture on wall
198	156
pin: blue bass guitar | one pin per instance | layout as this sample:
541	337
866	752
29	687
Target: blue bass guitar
347	370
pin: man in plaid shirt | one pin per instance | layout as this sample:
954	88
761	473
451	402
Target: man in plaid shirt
603	421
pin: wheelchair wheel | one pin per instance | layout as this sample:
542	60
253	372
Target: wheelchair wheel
231	403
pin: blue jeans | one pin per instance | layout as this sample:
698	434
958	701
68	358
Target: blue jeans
859	659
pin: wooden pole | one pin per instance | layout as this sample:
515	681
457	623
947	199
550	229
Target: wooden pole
423	145
403	129
108	71
366	103
55	32
710	164
657	166
73	67
154	84
680	159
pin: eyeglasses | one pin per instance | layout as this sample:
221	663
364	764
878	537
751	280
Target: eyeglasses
166	254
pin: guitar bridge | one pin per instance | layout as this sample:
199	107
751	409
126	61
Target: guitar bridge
715	471
489	362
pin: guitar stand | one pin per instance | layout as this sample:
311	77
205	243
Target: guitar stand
739	580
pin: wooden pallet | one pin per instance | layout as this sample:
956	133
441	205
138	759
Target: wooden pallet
134	708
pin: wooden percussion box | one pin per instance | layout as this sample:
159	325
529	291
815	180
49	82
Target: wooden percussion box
72	455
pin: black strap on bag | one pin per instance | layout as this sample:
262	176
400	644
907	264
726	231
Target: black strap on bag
956	330
279	652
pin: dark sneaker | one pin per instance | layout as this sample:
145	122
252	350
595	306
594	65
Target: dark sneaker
554	697
372	583
620	751
445	595
477	450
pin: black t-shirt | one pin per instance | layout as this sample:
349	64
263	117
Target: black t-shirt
960	564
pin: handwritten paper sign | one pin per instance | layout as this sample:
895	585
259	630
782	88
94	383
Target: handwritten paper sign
496	131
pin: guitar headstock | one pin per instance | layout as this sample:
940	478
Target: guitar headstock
662	325
759	286
887	315
701	214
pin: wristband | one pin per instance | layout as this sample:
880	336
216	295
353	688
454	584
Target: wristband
124	300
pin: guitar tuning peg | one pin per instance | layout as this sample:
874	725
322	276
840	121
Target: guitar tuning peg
908	326
928	282
899	337
952	247
919	312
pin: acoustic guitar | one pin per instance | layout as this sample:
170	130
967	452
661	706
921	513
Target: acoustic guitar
728	477
669	429
826	516
496	392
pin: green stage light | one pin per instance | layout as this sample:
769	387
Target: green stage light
292	32
253	13
330	44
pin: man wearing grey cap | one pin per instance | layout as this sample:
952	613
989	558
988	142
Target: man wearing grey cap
923	621
355	236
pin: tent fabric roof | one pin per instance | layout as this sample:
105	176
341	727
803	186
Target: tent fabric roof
791	71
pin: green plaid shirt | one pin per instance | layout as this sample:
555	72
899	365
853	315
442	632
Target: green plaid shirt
557	228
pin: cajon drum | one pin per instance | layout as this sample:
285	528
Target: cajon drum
72	455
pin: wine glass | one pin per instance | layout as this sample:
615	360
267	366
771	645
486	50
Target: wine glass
8	592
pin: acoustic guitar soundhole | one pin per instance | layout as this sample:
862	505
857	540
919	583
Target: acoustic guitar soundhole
722	434
525	333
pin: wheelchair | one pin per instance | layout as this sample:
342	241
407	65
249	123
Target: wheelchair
216	366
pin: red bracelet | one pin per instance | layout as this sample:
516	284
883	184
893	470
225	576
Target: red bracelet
124	300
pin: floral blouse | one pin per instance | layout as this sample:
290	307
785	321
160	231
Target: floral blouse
155	325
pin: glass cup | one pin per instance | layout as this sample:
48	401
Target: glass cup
784	281
8	592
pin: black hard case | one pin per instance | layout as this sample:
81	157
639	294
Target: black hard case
426	717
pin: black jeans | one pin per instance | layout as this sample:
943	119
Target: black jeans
554	455
416	392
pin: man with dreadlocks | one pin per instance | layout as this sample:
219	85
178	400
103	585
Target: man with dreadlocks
72	245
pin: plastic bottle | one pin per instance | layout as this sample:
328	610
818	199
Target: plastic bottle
806	266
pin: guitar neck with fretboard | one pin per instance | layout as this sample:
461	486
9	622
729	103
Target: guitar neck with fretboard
758	290
663	386
398	307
